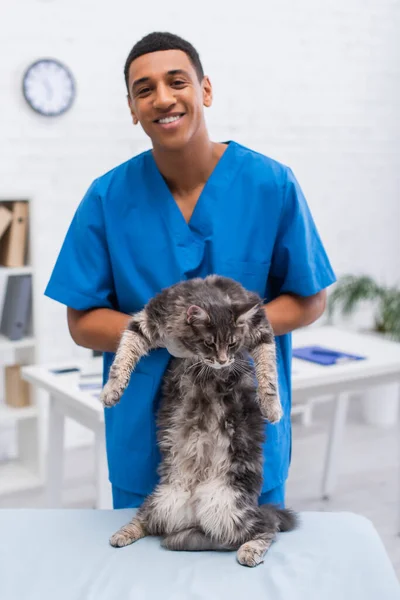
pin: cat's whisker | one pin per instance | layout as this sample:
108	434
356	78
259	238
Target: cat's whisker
242	367
196	364
199	375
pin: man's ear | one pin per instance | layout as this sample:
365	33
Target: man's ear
207	91
134	117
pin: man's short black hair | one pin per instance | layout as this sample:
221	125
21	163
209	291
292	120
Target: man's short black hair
156	41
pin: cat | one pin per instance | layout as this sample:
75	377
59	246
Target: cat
211	418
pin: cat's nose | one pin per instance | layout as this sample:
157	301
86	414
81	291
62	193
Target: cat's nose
223	361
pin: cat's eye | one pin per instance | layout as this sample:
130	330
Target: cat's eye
209	343
231	344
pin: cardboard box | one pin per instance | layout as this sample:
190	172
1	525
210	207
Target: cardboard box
5	219
17	390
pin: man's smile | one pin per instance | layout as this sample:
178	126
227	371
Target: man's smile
170	121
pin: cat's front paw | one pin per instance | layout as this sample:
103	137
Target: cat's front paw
274	413
271	408
111	394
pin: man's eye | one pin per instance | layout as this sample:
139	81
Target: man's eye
143	91
178	82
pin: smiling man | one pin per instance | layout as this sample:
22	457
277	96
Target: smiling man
186	208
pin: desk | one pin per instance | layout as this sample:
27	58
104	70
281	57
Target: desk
309	381
337	382
67	399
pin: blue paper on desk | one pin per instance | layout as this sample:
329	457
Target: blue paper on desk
324	356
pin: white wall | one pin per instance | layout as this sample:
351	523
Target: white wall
314	84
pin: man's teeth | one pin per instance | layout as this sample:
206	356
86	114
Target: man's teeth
169	119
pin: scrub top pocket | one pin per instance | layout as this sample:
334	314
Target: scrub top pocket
252	275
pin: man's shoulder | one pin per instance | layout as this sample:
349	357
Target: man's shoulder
120	173
262	169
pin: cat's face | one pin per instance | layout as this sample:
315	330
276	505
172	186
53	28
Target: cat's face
216	336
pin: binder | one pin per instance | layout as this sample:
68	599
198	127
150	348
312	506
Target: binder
5	219
13	243
324	356
16	308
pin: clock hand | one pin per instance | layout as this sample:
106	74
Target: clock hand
48	89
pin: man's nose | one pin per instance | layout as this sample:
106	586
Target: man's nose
164	97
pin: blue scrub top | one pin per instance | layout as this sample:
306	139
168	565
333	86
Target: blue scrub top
129	239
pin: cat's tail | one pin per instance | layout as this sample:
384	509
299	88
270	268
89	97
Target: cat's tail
287	518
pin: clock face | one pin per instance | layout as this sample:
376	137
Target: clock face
49	87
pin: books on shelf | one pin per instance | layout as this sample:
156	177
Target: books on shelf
13	233
17	307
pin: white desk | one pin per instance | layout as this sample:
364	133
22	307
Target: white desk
66	399
309	381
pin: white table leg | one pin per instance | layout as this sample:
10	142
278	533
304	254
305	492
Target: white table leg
103	486
334	444
55	455
398	483
306	417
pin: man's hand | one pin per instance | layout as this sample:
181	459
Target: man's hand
289	311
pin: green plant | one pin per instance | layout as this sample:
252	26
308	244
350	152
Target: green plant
350	290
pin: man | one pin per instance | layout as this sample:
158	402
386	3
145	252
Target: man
187	208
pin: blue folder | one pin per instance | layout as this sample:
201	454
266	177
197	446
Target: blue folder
324	356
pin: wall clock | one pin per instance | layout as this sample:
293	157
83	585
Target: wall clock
48	87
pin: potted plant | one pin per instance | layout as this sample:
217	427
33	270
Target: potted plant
380	404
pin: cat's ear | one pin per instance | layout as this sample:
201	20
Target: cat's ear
197	315
244	312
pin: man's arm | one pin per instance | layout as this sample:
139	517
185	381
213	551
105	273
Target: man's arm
101	328
289	311
98	329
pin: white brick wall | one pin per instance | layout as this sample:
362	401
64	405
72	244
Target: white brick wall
314	84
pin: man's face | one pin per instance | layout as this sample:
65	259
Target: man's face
166	97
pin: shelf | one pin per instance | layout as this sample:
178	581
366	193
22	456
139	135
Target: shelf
14	477
6	344
11	414
27	270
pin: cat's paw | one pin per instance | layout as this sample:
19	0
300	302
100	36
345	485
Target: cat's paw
249	556
274	413
130	533
271	408
111	394
121	539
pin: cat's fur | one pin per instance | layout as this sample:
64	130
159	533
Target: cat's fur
211	425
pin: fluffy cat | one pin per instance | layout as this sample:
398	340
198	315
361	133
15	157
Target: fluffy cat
211	419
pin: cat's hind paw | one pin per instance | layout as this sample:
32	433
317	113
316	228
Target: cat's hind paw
120	539
128	534
249	556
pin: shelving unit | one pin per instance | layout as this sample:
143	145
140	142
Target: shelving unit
25	471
